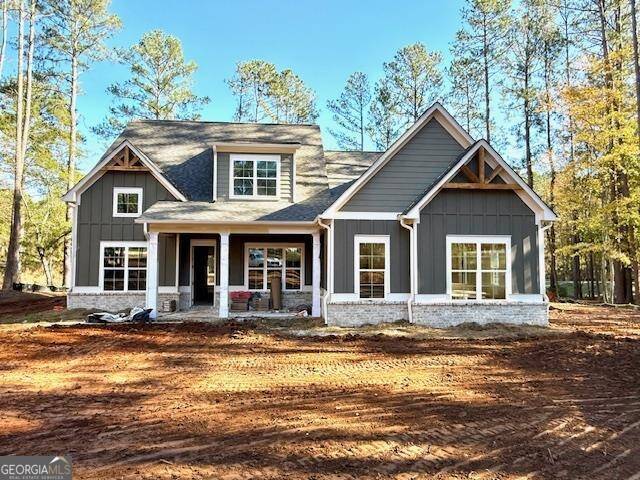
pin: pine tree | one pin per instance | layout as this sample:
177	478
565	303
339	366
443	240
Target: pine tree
414	79
350	111
487	30
23	97
76	31
290	100
159	88
385	122
465	97
264	94
251	84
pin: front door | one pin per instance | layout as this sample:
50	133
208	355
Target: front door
204	274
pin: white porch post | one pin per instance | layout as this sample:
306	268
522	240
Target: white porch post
224	275
315	283
152	274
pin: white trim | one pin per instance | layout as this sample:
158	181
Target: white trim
215	172
202	242
255	158
315	271
359	239
541	261
265	245
167	289
437	112
97	290
223	304
152	274
364	215
431	298
527	298
255	147
127	190
478	240
531	199
96	172
294	174
177	282
126	245
74	244
355	298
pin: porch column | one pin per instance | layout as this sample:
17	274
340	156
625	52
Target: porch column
315	282
152	274
224	275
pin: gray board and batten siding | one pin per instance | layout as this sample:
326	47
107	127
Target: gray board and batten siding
346	230
476	212
409	172
96	223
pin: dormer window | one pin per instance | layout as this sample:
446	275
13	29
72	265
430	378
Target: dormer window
127	202
254	176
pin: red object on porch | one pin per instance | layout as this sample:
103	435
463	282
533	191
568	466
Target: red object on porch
240	295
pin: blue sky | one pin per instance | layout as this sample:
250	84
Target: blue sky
323	42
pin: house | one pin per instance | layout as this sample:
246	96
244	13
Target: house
438	229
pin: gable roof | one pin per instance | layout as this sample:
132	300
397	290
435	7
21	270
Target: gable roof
97	171
437	112
527	194
346	166
182	151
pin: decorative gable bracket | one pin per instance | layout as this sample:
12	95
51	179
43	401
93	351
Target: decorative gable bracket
482	180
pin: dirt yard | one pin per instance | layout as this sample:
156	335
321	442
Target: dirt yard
247	401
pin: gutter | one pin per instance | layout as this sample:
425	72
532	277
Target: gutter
412	273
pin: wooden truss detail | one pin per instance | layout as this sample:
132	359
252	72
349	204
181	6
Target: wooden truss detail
481	181
126	160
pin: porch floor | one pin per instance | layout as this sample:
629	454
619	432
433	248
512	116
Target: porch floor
208	314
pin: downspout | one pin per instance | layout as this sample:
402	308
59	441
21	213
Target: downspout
410	227
329	273
541	264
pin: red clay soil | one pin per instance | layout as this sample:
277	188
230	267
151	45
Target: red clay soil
12	303
234	401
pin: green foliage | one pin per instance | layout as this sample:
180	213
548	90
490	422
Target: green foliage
159	87
414	79
264	94
385	122
350	112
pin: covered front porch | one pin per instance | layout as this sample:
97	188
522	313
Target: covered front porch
209	269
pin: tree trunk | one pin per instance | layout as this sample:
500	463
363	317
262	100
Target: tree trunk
12	268
577	278
487	103
592	289
46	265
3	45
636	69
71	164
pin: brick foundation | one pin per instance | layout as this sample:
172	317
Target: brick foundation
355	314
439	315
113	301
448	314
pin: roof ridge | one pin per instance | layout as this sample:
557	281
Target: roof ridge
220	122
355	151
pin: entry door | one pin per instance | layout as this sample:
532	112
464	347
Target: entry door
204	274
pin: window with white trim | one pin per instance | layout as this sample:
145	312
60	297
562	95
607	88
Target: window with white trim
371	269
254	176
124	267
127	202
478	268
265	262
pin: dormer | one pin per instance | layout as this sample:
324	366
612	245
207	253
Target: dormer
254	171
